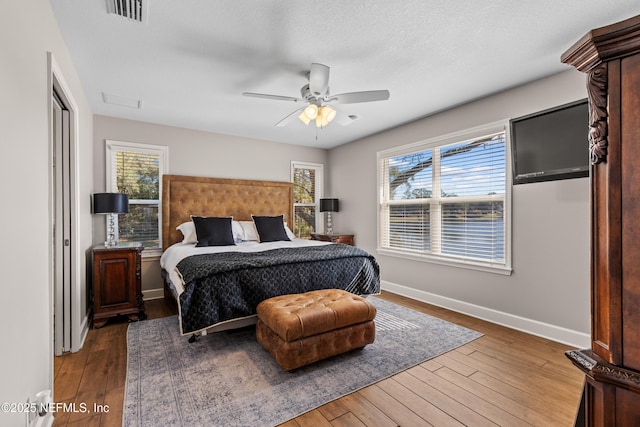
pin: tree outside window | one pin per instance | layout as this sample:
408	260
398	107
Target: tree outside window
136	170
446	199
307	191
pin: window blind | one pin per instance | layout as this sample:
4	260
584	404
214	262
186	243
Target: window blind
136	169
307	190
445	200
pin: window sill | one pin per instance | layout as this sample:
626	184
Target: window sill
151	253
470	265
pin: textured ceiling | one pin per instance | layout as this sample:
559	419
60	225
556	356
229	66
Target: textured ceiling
190	61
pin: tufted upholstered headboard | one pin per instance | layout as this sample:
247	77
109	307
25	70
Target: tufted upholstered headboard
183	196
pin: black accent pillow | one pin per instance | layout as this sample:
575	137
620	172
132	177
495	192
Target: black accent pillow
270	228
213	231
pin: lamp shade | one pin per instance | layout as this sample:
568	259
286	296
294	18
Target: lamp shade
105	203
329	205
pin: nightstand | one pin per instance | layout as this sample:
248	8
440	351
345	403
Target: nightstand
117	283
347	239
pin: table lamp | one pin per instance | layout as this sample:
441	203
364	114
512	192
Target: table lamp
328	206
110	204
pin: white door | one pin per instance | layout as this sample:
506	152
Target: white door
62	227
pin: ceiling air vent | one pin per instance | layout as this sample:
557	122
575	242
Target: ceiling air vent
133	10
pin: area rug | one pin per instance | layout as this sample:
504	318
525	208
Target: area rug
228	379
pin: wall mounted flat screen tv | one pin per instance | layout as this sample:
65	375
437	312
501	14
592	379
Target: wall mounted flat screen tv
551	144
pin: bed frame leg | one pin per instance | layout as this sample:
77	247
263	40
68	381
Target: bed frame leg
194	337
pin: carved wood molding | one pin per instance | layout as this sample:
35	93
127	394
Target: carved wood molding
579	359
604	44
590	55
597	92
602	371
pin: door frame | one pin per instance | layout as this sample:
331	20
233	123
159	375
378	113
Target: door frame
62	246
79	321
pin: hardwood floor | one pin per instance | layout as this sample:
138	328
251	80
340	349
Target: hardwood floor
505	378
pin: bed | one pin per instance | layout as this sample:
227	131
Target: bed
218	287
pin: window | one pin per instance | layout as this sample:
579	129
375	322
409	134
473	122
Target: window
307	181
446	200
137	169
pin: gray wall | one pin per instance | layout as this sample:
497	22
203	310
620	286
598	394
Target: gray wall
198	153
28	30
548	292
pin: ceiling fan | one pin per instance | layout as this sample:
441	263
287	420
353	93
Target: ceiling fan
316	95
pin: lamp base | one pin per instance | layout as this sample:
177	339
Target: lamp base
111	232
110	243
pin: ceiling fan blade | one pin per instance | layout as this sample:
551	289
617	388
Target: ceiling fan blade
356	97
274	97
318	79
287	119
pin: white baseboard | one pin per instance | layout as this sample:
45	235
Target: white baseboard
150	294
533	327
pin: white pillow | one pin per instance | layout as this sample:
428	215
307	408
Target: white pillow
238	232
249	231
290	234
188	230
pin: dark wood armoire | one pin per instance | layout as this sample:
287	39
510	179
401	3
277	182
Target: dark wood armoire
611	58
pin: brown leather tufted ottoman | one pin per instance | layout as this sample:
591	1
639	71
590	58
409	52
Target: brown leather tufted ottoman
303	328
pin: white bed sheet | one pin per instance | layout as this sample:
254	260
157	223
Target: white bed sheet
179	251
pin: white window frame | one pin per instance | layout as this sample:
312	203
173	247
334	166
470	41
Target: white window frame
468	134
163	165
319	185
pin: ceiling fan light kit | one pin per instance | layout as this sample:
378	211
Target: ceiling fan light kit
304	118
316	94
325	116
309	113
322	115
